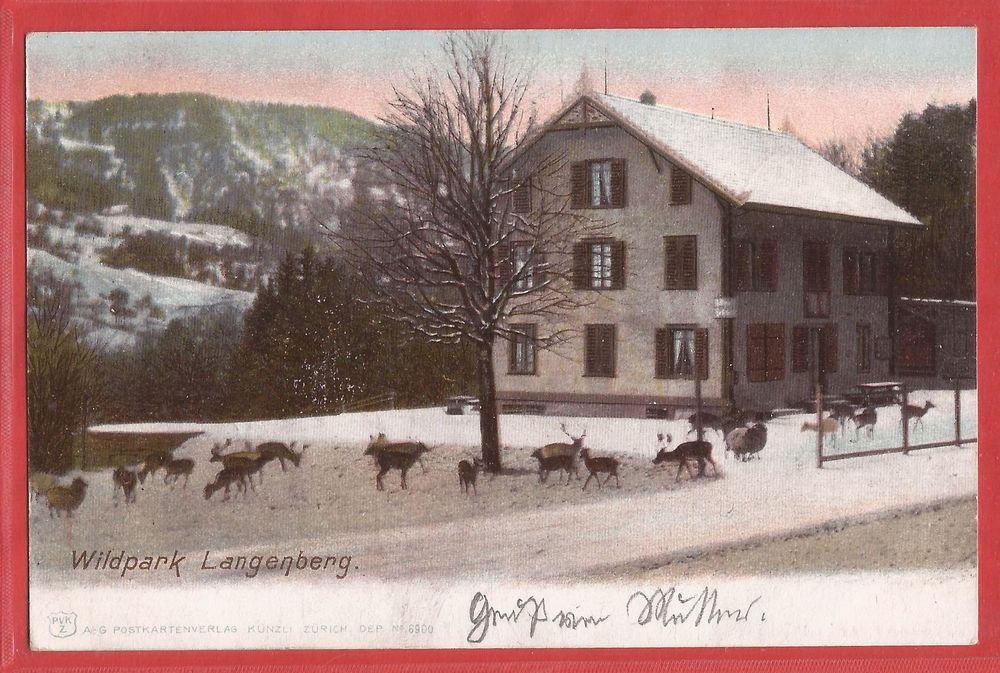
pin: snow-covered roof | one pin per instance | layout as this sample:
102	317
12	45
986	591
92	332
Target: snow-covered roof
750	165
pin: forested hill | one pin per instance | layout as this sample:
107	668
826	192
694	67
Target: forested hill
193	157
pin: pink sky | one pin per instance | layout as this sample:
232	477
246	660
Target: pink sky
846	83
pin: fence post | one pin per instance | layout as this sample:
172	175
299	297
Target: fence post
697	404
958	414
905	421
819	426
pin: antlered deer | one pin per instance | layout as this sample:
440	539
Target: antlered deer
701	452
600	465
557	449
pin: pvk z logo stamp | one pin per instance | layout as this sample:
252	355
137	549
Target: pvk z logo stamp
62	624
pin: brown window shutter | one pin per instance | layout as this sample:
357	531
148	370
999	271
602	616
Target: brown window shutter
522	197
599	347
810	282
741	266
769	265
830	356
775	351
618	185
756	351
618	265
882	276
579	185
671	263
610	344
851	281
689	263
503	263
701	353
680	186
512	355
661	356
823	267
800	348
581	265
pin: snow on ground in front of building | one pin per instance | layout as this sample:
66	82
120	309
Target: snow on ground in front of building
515	526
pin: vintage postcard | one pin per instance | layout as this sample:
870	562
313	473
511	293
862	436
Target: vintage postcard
501	339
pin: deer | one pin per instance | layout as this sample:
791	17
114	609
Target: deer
41	482
563	449
281	452
467	473
154	461
66	498
686	452
400	458
916	414
865	419
598	466
827	426
125	480
377	445
227	477
240	460
842	412
175	468
711	421
561	462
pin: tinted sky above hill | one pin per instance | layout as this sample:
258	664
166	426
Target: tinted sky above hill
845	83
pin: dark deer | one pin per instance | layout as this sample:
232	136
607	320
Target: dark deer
688	451
66	498
570	450
379	444
398	456
281	452
154	461
467	473
174	469
560	462
842	412
227	477
710	421
916	414
126	480
598	466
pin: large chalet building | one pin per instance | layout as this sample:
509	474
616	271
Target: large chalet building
733	254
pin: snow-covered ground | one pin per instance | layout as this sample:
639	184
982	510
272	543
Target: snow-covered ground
515	526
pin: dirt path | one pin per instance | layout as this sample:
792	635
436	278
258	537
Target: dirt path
939	536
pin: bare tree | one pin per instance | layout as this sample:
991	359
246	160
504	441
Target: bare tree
842	154
473	236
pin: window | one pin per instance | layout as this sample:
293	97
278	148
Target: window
598	184
680	186
864	348
863	273
680	262
599	350
766	352
522	197
816	278
755	266
599	265
520	254
522	349
812	346
680	352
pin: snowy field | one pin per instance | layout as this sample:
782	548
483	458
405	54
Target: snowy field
515	526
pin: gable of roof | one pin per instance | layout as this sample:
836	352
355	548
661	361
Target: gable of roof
747	165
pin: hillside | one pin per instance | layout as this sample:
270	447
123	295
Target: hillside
258	167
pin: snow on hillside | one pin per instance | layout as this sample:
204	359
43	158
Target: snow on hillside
330	500
215	234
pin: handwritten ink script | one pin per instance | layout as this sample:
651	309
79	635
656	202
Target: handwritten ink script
666	607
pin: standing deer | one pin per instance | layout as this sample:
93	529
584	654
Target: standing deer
916	414
125	480
598	466
379	444
701	452
467	473
401	458
281	452
153	462
174	469
866	420
66	498
557	449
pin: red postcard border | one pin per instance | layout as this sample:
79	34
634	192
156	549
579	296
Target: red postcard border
20	17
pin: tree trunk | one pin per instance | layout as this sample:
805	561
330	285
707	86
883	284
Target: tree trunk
488	422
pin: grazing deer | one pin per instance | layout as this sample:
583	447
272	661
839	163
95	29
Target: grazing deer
174	469
401	458
281	452
701	452
126	480
598	466
916	414
66	498
226	477
467	473
827	426
866	420
154	461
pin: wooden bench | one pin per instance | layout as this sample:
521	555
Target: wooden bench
881	393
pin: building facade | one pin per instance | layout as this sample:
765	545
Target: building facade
730	255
